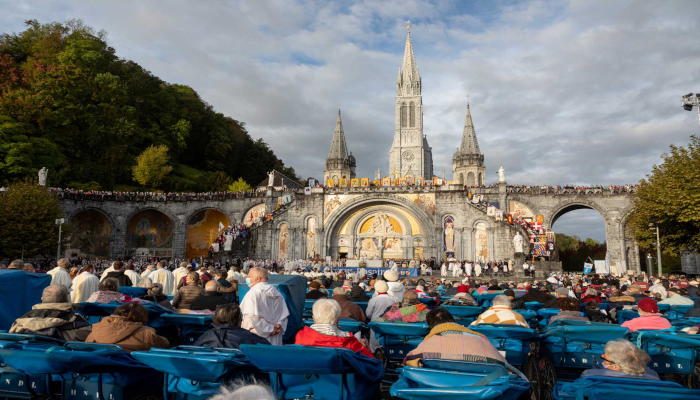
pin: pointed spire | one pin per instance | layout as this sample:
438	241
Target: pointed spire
339	150
469	143
408	81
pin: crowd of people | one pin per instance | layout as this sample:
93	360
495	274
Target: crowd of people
261	316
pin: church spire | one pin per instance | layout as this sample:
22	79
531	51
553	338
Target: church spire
339	150
408	83
469	143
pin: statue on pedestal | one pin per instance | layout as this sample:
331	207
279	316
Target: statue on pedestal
519	243
43	172
501	175
271	178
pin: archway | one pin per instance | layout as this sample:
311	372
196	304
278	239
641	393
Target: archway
150	232
202	228
91	234
580	234
470	179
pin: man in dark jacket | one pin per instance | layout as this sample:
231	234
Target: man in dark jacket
210	299
53	317
560	293
228	290
119	274
693	289
226	330
314	293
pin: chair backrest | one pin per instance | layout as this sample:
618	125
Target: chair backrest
462	366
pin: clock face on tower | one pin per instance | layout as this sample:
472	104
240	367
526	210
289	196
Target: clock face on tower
407	156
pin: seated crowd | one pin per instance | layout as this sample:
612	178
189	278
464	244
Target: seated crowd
262	315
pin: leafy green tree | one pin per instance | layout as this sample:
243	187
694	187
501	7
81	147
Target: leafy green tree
239	186
216	181
152	166
573	252
670	198
28	216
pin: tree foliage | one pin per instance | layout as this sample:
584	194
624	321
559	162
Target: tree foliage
670	198
152	166
68	103
573	251
239	186
28	216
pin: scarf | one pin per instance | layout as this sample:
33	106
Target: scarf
329	330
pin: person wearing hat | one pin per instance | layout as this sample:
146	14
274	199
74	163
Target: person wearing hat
649	317
560	293
396	289
314	293
377	306
675	299
516	304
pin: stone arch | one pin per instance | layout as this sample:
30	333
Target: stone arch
202	225
252	214
151	231
92	234
461	179
335	221
470	179
564	208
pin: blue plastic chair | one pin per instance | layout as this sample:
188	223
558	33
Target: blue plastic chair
568	347
346	325
533	305
545	314
597	387
322	372
196	373
15	384
456	380
133	291
464	315
192	326
486	299
671	352
103	371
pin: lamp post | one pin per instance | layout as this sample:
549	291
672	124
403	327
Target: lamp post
658	246
59	222
691	100
650	262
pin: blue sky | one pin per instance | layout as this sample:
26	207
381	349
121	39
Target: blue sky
579	92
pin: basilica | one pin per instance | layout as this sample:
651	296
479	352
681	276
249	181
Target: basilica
410	155
409	213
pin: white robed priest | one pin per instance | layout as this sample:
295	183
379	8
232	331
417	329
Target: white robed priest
148	271
107	271
468	268
60	275
164	277
84	285
179	273
133	275
443	270
264	310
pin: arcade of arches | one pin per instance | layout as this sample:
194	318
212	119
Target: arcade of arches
91	234
202	228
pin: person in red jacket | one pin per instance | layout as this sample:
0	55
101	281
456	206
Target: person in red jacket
325	332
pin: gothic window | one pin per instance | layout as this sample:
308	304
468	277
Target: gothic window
413	115
404	116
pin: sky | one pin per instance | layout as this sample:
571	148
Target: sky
561	92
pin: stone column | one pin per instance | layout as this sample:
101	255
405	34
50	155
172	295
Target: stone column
117	240
179	240
491	246
294	244
406	249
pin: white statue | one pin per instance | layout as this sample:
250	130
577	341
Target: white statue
518	243
381	225
501	175
43	172
271	178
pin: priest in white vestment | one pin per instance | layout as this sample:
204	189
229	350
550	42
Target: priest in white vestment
165	278
264	310
133	276
179	273
84	285
149	270
443	270
60	275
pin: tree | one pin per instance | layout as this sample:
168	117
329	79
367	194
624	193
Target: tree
28	216
239	186
152	166
670	198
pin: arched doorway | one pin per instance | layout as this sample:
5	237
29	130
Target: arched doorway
91	234
579	235
202	229
150	233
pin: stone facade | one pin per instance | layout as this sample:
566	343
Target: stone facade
343	213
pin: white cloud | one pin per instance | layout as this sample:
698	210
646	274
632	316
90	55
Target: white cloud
562	92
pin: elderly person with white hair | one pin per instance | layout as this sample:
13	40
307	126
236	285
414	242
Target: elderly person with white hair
210	299
325	332
622	359
53	317
60	275
501	313
242	390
